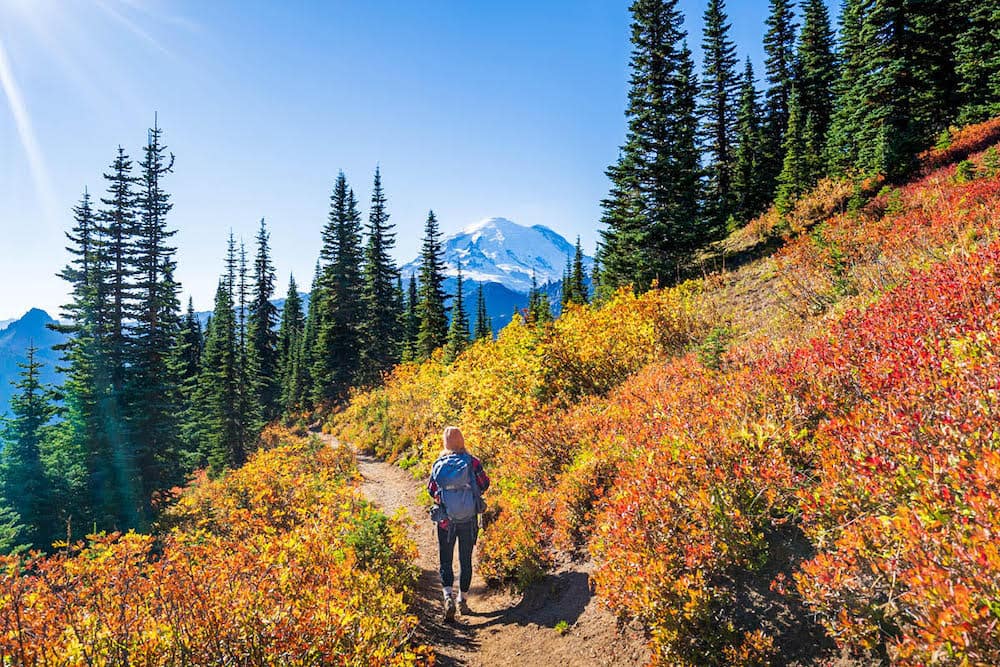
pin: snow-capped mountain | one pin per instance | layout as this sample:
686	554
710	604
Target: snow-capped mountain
498	250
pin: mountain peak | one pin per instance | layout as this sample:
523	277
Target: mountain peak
502	251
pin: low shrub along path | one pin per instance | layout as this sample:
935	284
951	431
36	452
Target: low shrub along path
555	622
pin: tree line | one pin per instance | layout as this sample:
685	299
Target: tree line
705	154
150	395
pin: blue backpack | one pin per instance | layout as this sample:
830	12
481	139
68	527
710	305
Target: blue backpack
457	485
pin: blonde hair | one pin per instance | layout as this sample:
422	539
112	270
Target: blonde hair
454	441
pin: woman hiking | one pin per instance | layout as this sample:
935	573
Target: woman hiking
456	484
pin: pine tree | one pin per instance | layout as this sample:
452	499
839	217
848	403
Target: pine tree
795	177
577	277
11	531
380	331
217	396
310	335
290	333
262	339
186	364
483	331
153	388
458	330
80	438
23	484
718	113
977	62
817	76
565	288
411	321
748	179
899	89
779	46
116	473
337	358
652	216
433	329
842	144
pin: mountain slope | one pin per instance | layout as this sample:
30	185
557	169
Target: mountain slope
501	251
14	341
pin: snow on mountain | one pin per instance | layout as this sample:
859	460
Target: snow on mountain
501	251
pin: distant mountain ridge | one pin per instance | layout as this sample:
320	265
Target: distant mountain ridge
15	337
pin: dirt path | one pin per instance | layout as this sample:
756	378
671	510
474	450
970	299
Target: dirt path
503	629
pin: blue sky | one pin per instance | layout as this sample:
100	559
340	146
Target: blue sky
472	108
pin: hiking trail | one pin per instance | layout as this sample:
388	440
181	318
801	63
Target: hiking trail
503	628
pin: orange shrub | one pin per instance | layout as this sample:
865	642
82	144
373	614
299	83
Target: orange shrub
279	563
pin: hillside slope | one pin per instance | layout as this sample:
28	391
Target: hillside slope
793	460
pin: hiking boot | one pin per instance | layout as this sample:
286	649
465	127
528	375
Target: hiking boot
463	606
449	608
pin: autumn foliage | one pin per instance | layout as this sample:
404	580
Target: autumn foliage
819	429
278	563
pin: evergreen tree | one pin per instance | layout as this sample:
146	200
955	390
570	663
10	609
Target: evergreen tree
458	330
337	358
749	185
310	335
817	75
79	462
779	46
564	285
290	334
116	475
483	331
577	277
977	61
433	329
380	331
217	395
411	321
23	484
11	531
842	142
651	213
153	388
795	177
262	339
900	87
718	113
186	364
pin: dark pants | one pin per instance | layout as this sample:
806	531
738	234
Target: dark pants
465	535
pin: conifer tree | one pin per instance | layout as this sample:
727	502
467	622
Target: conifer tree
153	387
749	184
380	331
817	75
718	113
433	329
290	333
564	285
117	478
23	481
483	331
795	177
411	321
11	531
310	335
217	396
458	330
779	46
977	62
262	339
577	277
652	217
337	357
186	364
843	139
